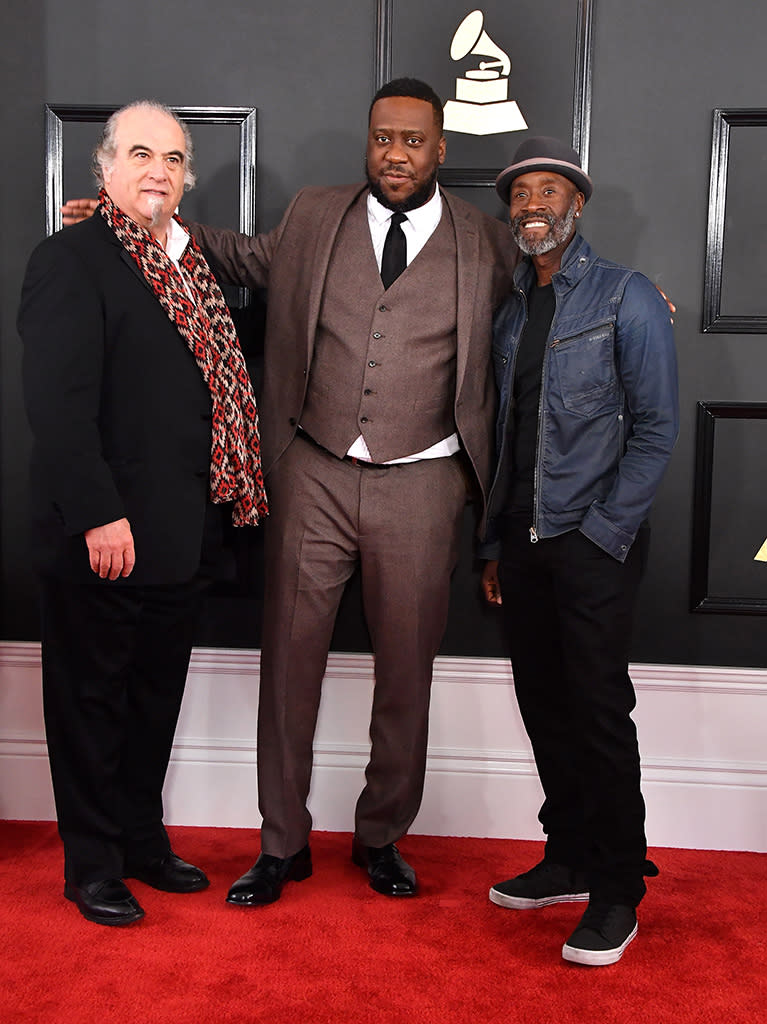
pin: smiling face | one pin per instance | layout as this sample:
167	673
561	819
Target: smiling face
146	176
542	208
404	151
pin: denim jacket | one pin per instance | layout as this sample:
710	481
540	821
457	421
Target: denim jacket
608	414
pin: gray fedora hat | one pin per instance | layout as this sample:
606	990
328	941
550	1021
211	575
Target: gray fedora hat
542	153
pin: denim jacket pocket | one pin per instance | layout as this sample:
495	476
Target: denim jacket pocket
584	369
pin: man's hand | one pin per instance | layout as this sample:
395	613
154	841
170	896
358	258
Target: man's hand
111	549
490	585
671	306
75	210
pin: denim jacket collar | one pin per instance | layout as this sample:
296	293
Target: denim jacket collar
576	260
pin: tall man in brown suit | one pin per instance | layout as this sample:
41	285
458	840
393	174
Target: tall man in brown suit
377	409
377	406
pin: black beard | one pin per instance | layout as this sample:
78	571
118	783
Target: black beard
418	198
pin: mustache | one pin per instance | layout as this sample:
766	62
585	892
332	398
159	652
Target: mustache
397	170
521	219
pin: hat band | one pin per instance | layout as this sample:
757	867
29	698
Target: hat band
549	162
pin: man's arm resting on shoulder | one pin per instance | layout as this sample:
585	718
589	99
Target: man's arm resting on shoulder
239	259
646	361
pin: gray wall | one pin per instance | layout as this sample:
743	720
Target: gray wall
659	70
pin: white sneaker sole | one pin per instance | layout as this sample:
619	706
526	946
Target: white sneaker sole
522	903
596	957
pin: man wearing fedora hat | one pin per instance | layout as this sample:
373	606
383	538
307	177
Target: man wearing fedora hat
585	365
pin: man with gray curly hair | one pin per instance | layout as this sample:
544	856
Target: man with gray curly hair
144	426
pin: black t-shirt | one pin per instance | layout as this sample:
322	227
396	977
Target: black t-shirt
527	394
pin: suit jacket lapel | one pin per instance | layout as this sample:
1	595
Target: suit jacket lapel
326	232
134	267
467	250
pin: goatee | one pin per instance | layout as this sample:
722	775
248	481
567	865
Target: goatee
155	210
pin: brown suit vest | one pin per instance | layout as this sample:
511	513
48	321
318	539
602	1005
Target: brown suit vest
384	362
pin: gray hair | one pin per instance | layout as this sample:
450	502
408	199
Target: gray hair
106	149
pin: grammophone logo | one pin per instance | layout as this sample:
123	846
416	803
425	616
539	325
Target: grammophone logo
481	105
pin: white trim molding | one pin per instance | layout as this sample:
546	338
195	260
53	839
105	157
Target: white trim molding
701	733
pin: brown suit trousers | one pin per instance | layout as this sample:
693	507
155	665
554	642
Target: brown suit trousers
402	524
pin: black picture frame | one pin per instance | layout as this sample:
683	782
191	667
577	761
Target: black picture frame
57	115
724	119
701	600
582	89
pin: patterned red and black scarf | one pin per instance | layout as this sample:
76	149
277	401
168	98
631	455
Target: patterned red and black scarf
207	328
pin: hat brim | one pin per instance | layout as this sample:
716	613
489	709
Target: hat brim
578	177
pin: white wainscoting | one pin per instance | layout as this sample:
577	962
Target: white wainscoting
702	734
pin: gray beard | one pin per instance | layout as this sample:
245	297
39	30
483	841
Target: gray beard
155	208
560	229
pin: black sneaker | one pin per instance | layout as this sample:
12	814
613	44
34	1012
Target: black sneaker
602	935
542	885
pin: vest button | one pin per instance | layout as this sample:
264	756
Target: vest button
372	363
367	391
377	334
382	309
292	421
363	419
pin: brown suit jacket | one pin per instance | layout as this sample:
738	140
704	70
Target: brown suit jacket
292	261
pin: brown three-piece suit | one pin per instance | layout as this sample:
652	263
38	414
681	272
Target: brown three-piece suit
405	368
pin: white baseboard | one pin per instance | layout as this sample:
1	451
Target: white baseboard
701	734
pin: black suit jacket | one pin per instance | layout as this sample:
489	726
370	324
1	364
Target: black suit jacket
120	414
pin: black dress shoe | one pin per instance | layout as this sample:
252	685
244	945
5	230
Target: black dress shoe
388	872
109	901
169	873
264	882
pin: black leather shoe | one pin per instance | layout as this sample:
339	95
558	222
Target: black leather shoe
264	882
109	901
169	874
388	872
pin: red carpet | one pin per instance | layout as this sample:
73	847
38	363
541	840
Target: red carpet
333	952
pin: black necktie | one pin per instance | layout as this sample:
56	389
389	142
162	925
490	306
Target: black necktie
394	257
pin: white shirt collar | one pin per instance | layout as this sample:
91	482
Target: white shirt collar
177	240
420	217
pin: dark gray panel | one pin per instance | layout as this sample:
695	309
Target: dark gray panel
744	256
660	69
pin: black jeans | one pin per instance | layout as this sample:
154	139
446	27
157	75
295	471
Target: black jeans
568	608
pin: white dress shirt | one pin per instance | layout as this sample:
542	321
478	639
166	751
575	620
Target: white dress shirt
176	242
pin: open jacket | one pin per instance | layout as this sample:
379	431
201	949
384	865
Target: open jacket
292	263
608	414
